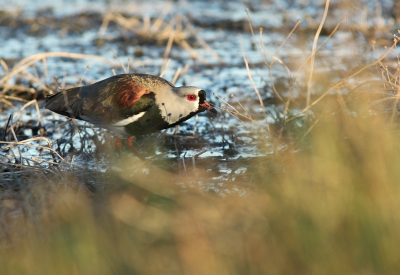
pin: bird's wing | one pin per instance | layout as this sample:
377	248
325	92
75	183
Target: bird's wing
104	102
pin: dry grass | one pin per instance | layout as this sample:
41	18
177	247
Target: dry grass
329	208
326	204
178	30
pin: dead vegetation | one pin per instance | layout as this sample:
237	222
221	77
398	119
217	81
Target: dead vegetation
323	200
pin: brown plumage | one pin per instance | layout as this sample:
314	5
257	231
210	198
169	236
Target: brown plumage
132	104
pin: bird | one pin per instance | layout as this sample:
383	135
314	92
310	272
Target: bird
130	104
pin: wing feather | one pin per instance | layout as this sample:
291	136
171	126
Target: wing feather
104	102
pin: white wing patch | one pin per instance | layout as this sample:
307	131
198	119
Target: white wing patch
128	120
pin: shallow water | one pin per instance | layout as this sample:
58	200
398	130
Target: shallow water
28	28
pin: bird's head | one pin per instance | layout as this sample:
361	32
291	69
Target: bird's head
181	103
196	98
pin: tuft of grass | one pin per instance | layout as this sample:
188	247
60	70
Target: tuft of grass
178	30
331	207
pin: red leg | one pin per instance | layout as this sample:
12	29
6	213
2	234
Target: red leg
118	144
130	146
129	142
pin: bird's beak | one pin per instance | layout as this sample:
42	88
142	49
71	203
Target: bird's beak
206	106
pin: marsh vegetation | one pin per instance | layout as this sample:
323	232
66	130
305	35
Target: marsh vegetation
298	174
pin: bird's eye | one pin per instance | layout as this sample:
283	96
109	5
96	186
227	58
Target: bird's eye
191	97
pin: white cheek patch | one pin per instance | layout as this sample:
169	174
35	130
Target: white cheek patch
128	120
175	108
174	104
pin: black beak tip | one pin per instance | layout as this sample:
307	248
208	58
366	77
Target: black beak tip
212	110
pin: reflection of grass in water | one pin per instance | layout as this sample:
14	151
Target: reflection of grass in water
330	207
